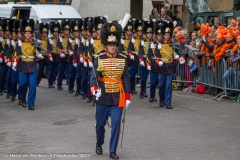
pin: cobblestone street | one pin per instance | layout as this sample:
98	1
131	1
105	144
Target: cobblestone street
197	128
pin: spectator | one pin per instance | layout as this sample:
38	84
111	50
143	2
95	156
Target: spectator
216	23
194	36
168	11
164	16
154	15
176	20
238	21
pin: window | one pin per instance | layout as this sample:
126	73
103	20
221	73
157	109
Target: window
210	20
228	19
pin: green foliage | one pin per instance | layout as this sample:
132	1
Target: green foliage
236	5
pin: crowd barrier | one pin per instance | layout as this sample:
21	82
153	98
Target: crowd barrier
225	76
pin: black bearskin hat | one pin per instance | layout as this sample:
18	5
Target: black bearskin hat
16	26
10	25
5	24
99	21
27	25
65	24
43	27
167	27
148	27
54	27
129	25
80	24
138	25
1	28
111	33
74	26
158	27
88	24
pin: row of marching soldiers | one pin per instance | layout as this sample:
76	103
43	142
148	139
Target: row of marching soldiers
63	53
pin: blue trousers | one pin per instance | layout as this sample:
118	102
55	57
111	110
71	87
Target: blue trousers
15	81
40	72
61	69
84	81
88	83
79	78
30	80
72	76
165	88
3	72
143	77
9	80
67	72
101	118
230	73
153	83
51	71
133	72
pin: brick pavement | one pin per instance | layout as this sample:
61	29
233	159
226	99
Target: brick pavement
196	129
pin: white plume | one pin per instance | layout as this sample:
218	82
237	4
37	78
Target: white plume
125	20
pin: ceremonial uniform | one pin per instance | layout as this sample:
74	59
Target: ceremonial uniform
167	63
133	49
152	63
143	59
64	46
110	76
53	52
43	54
26	64
78	58
3	62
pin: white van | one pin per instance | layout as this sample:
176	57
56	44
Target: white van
41	12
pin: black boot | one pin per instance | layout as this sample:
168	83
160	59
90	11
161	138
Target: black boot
8	96
141	95
99	150
77	93
84	96
13	98
150	99
24	104
113	155
89	100
155	99
145	95
19	102
161	104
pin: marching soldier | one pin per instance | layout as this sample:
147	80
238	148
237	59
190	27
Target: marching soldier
167	64
26	64
78	57
64	46
15	79
3	61
52	51
9	58
128	32
110	85
143	51
87	59
74	42
43	56
152	64
133	49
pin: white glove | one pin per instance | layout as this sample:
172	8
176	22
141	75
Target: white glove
159	46
62	55
71	53
122	41
75	65
85	64
142	43
142	63
152	45
132	57
40	56
133	40
50	59
14	68
127	103
176	57
70	40
1	60
160	63
15	64
90	64
9	64
91	41
97	93
87	43
149	68
81	59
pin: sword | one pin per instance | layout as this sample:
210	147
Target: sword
123	121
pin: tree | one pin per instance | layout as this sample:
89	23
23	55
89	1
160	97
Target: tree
236	5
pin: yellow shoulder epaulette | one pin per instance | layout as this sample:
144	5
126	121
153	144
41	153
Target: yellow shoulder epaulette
98	55
122	55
